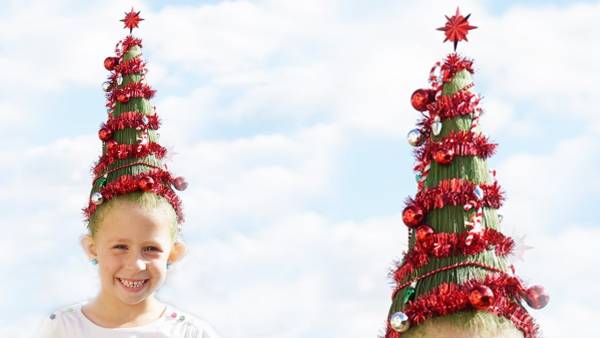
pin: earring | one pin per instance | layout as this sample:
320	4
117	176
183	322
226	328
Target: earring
168	265
94	261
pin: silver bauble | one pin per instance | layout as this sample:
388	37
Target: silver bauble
145	119
436	126
120	79
107	86
500	218
479	193
399	322
415	138
97	198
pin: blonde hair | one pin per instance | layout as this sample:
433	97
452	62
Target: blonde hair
147	200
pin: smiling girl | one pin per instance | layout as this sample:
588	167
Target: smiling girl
133	219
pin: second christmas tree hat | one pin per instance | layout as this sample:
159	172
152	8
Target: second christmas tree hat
457	269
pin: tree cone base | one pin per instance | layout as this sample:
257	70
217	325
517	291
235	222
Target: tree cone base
477	324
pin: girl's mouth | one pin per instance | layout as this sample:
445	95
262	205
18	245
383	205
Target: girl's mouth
133	285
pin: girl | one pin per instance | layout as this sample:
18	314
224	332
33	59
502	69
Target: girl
133	217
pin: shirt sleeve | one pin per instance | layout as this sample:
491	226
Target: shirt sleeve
208	331
49	328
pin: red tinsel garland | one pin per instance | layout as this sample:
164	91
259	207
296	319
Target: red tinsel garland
130	183
450	298
133	89
462	143
441	245
453	64
127	43
123	151
457	191
460	103
132	119
132	66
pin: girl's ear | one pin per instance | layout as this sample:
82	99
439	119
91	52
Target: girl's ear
178	251
89	246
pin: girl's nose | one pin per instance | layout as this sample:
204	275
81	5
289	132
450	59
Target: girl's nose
137	262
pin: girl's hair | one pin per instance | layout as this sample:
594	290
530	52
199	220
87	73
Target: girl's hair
147	200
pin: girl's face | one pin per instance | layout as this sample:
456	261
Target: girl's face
132	247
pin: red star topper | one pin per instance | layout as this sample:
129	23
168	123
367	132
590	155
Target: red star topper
457	28
131	20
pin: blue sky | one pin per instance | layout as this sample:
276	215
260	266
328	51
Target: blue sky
289	121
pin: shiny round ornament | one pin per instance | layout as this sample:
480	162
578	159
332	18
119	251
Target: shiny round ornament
536	297
481	297
145	119
500	218
111	145
421	98
119	79
436	126
478	192
146	183
142	138
180	183
399	322
107	86
444	157
424	233
105	134
111	62
123	98
412	216
415	138
97	198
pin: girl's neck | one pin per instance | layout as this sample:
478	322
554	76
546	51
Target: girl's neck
112	313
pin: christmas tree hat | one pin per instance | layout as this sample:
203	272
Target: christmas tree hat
456	270
132	158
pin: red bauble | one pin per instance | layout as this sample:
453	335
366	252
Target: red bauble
536	297
105	134
146	183
481	297
444	157
180	183
111	145
412	216
421	98
424	232
111	62
123	98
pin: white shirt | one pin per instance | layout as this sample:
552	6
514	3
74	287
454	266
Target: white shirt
70	322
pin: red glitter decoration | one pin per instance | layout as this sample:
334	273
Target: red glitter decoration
424	233
421	98
460	143
132	66
116	151
129	183
412	216
481	297
122	97
133	89
457	27
536	297
131	20
105	134
450	298
443	156
132	119
180	183
442	245
110	63
457	191
146	183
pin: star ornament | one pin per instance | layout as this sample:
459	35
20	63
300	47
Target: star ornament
457	27
131	20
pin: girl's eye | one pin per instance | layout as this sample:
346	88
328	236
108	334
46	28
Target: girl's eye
153	248
120	246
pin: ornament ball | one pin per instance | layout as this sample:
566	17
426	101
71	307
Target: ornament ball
105	134
423	233
123	98
180	183
481	297
146	183
412	216
536	297
421	98
444	157
399	322
415	137
97	198
110	62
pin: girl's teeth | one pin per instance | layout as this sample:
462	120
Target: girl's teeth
130	284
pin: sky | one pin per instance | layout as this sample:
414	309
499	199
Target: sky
289	121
